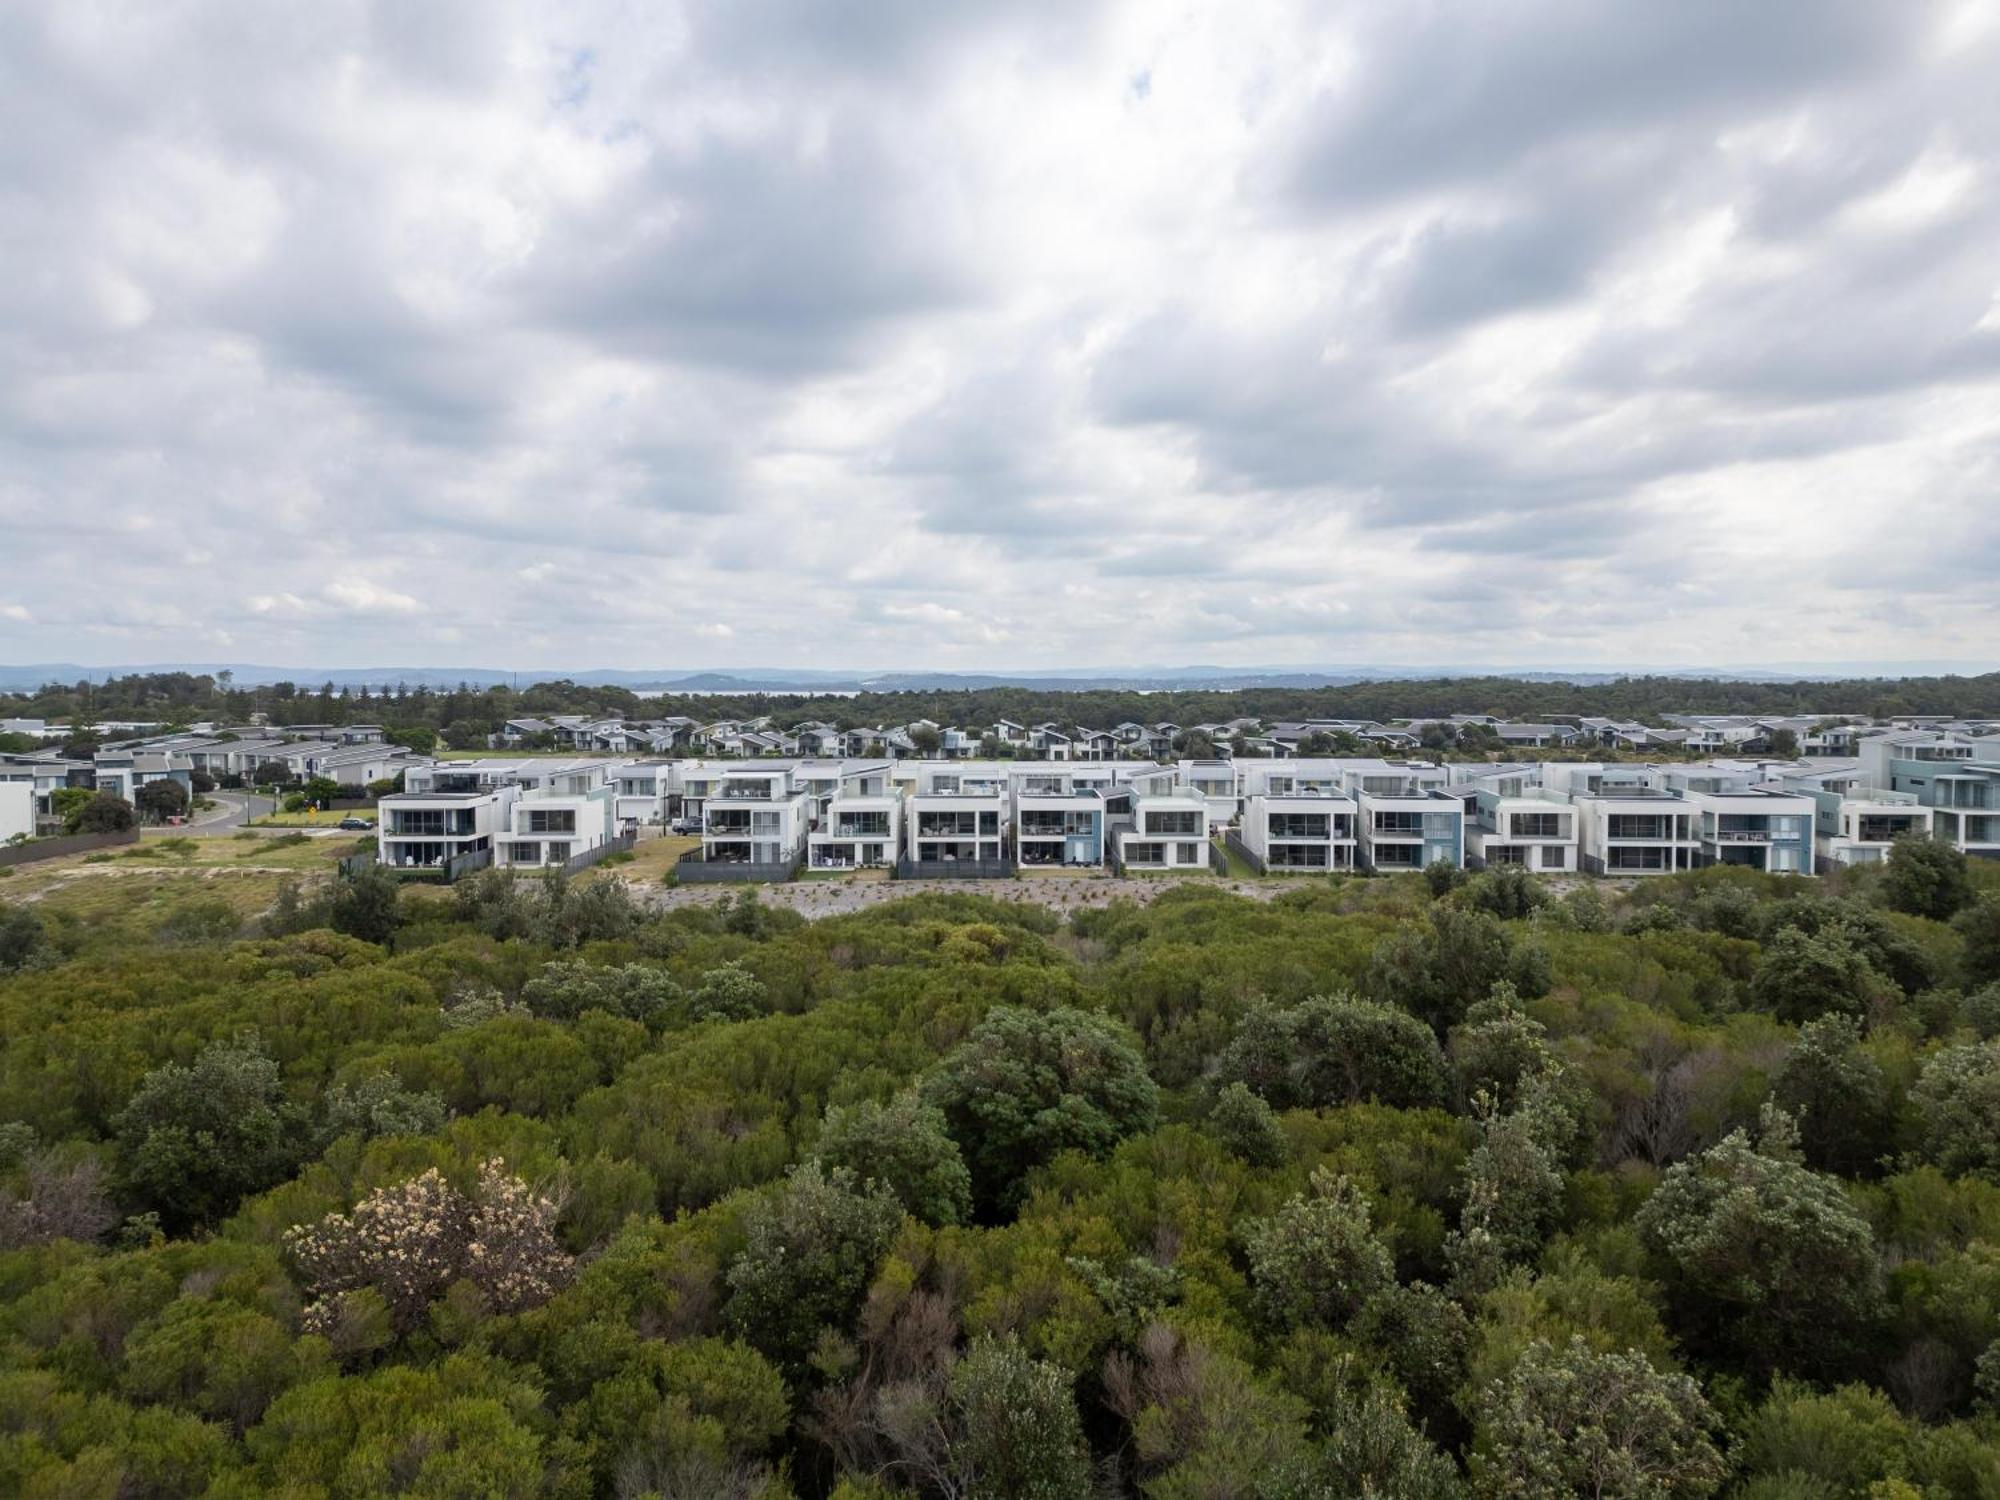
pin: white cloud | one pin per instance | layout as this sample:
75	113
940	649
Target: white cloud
1024	334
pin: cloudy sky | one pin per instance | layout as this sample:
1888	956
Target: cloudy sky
904	333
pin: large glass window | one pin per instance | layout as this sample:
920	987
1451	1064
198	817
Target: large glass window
1638	826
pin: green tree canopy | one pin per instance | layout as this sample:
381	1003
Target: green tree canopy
1028	1084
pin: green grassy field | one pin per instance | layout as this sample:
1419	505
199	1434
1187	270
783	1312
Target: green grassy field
170	888
312	819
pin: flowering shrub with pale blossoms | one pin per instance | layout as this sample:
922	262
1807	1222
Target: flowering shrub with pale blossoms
408	1243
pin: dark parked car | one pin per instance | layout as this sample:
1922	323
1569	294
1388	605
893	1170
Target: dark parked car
357	823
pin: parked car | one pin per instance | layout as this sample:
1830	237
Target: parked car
357	823
687	825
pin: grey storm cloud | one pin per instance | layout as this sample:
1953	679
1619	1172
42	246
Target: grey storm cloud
973	335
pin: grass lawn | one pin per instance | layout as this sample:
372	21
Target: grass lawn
650	861
1239	867
168	888
311	819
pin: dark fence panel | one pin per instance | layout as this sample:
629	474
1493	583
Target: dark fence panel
352	865
692	869
1002	868
461	865
590	857
1242	851
75	843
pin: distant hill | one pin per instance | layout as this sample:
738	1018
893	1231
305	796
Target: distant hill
670	681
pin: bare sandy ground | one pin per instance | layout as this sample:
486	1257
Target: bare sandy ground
833	898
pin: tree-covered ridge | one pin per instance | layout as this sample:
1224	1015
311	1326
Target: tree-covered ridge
1391	1187
183	697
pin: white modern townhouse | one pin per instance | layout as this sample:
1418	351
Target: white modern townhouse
1406	817
862	824
754	816
19	814
563	814
955	815
1169	830
1059	816
1217	782
443	815
44	773
1510	820
1629	821
1954	774
1853	823
1744	818
1302	830
645	795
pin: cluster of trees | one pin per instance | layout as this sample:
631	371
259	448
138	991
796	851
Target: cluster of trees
1401	1188
465	715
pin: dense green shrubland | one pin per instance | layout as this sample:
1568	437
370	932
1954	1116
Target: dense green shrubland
1366	1189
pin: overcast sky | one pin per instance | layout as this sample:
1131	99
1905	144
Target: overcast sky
906	333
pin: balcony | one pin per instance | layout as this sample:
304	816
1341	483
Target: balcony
1041	826
1884	830
1300	826
429	825
1646	830
963	825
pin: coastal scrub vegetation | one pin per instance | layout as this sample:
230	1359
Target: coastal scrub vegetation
1682	1188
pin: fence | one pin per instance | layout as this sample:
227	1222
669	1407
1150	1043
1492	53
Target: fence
1242	851
75	843
589	857
1217	860
692	869
446	871
461	865
1001	868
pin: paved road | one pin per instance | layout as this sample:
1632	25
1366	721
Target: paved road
231	812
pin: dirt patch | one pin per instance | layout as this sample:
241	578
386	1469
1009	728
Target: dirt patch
834	898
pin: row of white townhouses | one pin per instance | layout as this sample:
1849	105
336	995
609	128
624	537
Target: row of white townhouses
768	819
